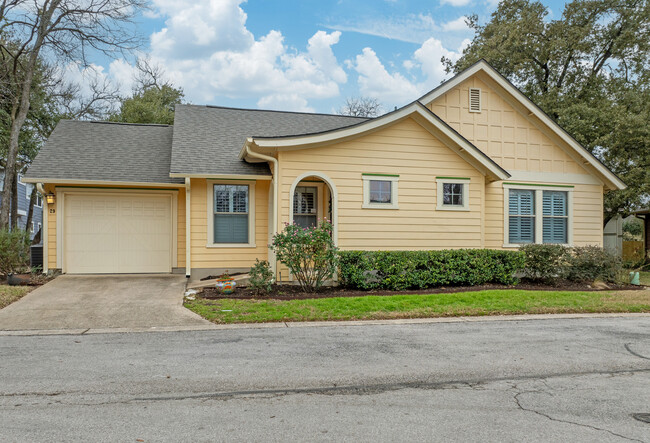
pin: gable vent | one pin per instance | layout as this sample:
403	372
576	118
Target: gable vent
474	100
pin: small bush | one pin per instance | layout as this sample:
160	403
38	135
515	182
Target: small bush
14	251
590	263
261	277
309	253
399	270
545	263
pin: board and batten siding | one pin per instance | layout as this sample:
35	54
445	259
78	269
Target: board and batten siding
204	257
52	220
405	149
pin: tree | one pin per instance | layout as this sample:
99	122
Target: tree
66	30
361	107
588	70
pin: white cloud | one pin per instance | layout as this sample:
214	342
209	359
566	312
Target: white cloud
429	56
456	2
455	25
206	48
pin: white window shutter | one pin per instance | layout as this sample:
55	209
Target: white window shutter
474	100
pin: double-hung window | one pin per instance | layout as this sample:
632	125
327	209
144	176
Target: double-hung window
537	215
380	191
231	218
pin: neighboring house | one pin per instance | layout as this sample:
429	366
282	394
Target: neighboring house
24	193
472	164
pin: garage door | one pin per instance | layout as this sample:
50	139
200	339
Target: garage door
112	233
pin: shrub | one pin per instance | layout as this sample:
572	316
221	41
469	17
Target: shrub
545	262
261	277
589	263
309	253
399	270
14	251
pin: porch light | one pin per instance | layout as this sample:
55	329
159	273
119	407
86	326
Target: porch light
50	198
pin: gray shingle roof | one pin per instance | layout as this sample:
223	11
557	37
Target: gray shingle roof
120	152
207	139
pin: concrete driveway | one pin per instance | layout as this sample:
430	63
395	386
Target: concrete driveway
103	302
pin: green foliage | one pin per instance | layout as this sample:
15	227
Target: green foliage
581	264
14	251
545	263
590	263
588	69
633	229
399	270
150	105
261	277
309	253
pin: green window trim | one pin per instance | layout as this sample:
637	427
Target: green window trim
379	175
452	178
535	184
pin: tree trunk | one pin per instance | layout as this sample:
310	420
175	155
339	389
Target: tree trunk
30	210
14	203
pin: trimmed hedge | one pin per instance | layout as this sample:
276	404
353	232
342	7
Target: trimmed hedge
399	270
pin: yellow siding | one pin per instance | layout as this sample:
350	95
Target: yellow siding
409	150
229	258
588	215
52	225
501	131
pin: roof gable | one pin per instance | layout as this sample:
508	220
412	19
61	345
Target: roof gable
593	165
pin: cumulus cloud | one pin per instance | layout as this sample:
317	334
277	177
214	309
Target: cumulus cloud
455	25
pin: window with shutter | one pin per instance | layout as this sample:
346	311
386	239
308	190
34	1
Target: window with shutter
522	216
555	217
231	213
474	100
304	206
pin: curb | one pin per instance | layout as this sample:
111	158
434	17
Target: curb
318	324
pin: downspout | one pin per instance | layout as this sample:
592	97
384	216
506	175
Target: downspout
188	230
276	197
46	210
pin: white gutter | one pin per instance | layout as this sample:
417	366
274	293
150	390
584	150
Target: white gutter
276	188
188	231
46	210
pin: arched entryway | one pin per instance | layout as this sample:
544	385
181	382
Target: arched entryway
313	197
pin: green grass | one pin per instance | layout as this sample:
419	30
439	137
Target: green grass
493	302
9	294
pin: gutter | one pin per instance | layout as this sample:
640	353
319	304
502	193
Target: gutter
276	188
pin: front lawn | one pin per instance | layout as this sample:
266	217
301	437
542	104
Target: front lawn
645	278
490	302
9	294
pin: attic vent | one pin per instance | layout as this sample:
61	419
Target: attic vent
474	100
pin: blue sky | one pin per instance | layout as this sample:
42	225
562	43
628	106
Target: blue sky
304	55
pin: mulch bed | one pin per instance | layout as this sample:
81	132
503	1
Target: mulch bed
293	292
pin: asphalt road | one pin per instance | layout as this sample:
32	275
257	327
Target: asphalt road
544	380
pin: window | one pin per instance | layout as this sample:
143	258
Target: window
305	206
33	228
231	216
380	191
39	227
452	194
39	200
554	208
474	100
522	216
537	215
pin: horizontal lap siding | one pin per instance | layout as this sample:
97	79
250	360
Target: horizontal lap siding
494	215
204	257
588	215
418	157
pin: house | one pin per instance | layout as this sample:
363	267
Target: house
24	195
472	164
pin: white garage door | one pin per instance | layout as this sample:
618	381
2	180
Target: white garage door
112	233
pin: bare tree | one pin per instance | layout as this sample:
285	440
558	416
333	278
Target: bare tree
65	30
361	107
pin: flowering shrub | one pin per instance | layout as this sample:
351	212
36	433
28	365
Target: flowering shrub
309	253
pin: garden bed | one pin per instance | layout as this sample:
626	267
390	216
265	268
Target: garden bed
294	292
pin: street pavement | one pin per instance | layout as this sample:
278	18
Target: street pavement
577	380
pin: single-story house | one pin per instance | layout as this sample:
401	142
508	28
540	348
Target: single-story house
471	164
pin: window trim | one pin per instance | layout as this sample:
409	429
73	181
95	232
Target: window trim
440	181
539	211
38	196
392	178
210	213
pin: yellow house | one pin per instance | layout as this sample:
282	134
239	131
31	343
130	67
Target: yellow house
472	164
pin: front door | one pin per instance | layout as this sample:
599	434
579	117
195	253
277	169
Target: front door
305	203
